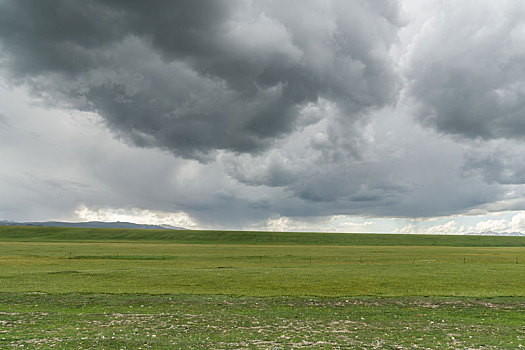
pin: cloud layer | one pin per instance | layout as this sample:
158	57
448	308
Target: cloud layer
262	114
465	69
196	77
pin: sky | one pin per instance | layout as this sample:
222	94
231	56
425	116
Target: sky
296	115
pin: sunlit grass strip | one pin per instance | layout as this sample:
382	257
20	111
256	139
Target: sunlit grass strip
48	234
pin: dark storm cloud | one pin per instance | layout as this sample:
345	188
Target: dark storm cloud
466	66
197	76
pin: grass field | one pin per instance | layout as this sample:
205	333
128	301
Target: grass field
54	234
92	288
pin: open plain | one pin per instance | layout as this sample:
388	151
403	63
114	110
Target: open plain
103	288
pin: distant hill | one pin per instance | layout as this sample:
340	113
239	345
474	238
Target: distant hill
92	224
492	233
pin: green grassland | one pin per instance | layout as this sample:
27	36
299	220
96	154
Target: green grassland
93	288
262	270
59	234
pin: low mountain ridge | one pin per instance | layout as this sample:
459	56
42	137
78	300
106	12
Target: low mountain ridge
92	224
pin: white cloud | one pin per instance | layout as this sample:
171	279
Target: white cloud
136	215
447	228
518	222
492	225
336	223
410	228
499	222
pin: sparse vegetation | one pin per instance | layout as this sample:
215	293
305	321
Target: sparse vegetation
226	322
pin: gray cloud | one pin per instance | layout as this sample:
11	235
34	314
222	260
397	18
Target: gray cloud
498	163
4	122
246	111
54	162
465	69
372	169
195	77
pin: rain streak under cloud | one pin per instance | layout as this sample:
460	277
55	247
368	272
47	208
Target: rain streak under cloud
286	115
